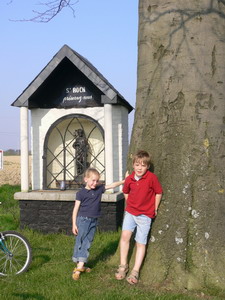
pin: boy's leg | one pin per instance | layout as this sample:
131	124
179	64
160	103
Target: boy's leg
143	227
124	249
86	232
128	227
124	246
90	236
127	231
139	256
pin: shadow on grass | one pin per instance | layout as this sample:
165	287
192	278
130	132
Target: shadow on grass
38	260
106	252
29	296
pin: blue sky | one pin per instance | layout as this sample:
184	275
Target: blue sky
103	31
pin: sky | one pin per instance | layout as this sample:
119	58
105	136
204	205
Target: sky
105	32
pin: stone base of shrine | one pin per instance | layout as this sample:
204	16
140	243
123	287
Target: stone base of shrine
51	211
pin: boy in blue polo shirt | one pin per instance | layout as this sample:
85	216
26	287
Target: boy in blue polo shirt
85	215
143	193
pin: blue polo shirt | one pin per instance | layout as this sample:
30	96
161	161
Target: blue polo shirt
90	205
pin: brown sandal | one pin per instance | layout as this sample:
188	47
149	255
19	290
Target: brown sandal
78	271
86	270
133	277
121	272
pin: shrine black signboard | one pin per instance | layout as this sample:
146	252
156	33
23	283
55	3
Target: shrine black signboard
69	81
77	95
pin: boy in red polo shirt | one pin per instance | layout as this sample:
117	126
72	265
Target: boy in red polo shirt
143	193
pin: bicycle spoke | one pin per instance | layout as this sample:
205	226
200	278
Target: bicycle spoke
4	265
18	255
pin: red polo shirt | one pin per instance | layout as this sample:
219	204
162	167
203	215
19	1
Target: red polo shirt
141	194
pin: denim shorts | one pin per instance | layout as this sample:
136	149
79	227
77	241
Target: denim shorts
141	223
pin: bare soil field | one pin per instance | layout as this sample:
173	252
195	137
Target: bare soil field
10	174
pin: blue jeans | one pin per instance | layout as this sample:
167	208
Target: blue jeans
86	231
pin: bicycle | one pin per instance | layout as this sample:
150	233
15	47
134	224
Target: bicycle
15	253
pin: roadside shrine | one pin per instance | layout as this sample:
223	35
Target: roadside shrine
78	120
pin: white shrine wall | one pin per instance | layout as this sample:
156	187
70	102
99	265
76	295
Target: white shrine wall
42	119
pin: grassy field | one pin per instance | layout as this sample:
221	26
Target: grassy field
49	276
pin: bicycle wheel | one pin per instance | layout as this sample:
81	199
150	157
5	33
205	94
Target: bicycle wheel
16	256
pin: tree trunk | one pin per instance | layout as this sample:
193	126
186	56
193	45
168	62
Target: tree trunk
180	120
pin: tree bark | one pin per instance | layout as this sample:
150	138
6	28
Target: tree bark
180	120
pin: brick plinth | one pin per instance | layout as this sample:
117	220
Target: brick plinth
40	211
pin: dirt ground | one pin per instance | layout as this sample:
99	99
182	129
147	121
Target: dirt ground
10	174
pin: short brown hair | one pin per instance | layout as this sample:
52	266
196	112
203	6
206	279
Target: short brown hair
143	156
90	171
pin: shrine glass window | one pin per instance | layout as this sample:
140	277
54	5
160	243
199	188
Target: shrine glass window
72	144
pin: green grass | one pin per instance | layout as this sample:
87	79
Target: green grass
49	276
9	208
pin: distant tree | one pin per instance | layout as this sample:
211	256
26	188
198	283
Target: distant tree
11	152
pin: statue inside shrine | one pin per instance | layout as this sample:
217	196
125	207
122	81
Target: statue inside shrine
81	151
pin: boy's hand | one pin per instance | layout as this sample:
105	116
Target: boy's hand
75	230
127	174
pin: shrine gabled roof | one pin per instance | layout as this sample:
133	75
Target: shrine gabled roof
84	66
